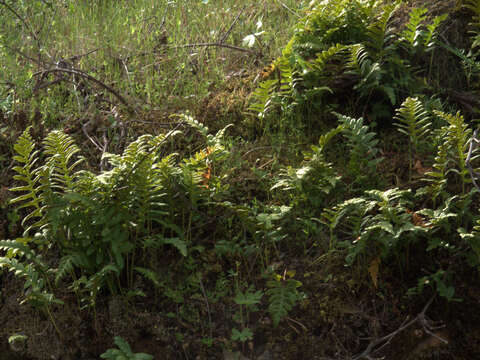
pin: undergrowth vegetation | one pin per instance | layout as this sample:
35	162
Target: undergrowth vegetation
356	182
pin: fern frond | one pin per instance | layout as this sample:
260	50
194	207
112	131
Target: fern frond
30	176
60	149
282	298
362	144
65	268
197	125
124	352
136	150
348	216
325	56
370	73
149	274
458	137
379	31
413	32
438	176
431	34
261	96
473	6
413	120
359	60
19	248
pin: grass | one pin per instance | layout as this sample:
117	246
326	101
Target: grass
140	48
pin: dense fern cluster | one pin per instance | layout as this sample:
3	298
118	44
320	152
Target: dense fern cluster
343	46
344	200
105	225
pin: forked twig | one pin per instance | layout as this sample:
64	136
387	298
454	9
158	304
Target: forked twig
421	318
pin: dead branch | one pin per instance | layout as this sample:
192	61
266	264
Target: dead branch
86	76
38	62
224	37
237	48
288	9
79	56
421	318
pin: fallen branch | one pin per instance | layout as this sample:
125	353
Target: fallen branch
79	56
379	344
84	75
237	48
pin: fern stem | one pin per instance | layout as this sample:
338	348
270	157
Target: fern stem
52	320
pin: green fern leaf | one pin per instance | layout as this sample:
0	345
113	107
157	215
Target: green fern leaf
149	274
379	31
458	136
283	296
413	32
30	176
60	149
413	121
362	144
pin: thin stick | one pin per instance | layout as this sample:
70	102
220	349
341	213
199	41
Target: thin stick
38	62
208	306
224	37
366	354
77	57
286	7
237	48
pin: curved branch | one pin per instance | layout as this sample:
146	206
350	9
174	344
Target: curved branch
84	75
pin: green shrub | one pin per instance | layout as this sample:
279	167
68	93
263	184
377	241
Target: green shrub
345	47
105	225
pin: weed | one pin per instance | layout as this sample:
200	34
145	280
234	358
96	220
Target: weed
124	352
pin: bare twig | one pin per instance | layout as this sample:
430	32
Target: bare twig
298	323
378	344
255	149
79	56
160	125
38	62
207	305
224	37
213	44
288	9
84	75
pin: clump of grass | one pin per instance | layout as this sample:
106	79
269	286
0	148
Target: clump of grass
146	50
